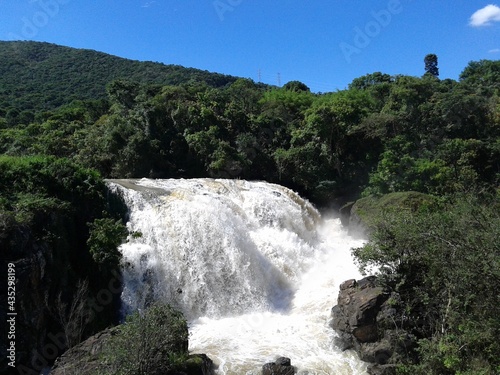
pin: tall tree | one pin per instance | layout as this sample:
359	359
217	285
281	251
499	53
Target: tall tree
431	65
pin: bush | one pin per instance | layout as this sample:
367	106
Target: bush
153	342
105	236
444	264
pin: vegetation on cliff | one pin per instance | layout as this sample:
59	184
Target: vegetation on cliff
45	206
442	260
154	341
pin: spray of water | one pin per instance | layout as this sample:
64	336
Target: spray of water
253	266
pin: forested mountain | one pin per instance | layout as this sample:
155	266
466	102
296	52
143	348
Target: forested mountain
382	134
41	76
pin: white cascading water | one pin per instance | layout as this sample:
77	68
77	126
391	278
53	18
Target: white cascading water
253	267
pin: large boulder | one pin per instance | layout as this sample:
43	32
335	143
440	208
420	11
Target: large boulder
198	364
357	307
86	359
365	319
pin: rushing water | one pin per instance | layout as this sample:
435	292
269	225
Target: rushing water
254	268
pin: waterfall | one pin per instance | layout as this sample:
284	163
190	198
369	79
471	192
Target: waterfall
253	266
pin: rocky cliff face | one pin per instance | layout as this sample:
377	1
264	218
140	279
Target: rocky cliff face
47	277
365	318
34	285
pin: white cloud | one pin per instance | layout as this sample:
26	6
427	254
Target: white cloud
494	50
485	16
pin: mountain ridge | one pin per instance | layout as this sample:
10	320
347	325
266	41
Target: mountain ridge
43	76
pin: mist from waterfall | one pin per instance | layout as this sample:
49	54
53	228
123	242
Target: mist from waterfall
253	266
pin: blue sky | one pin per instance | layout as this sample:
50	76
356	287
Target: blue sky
324	44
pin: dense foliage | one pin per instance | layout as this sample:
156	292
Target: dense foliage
154	342
443	260
383	134
46	204
61	205
41	192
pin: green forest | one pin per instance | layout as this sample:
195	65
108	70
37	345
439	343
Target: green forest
70	118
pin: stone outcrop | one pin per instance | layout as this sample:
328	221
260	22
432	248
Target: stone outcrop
365	319
51	261
282	366
345	213
362	216
86	358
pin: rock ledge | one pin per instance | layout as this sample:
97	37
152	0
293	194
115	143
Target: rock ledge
365	319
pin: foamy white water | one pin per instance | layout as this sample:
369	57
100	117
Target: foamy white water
253	267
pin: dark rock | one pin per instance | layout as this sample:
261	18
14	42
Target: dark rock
356	312
348	284
199	364
47	276
367	333
345	213
376	352
86	359
365	320
282	366
339	323
283	361
344	341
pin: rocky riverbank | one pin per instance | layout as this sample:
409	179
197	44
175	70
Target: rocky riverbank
366	319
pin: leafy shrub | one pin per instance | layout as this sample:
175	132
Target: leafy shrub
153	342
105	236
444	264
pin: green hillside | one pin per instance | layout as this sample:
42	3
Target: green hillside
41	76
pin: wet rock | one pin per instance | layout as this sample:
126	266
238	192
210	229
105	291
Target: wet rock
364	319
282	366
198	364
345	213
357	307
